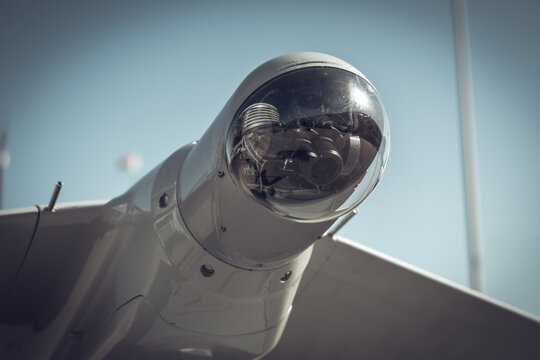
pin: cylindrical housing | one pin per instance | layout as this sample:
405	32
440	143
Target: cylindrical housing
303	140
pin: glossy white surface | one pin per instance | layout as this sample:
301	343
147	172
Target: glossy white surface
355	303
224	219
120	278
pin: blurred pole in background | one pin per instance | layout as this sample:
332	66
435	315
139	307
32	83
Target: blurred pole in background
4	161
468	141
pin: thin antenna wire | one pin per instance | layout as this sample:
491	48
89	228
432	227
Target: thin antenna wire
468	141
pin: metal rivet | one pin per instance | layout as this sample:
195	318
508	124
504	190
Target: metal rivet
220	173
286	276
164	200
207	270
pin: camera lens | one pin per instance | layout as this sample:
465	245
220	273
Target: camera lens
326	169
302	143
326	166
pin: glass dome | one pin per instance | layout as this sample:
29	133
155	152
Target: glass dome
310	144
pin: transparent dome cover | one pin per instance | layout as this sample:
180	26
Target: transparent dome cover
310	144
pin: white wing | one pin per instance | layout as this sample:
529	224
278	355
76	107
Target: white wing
356	304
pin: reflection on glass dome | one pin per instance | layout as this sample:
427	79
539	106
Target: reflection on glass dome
310	144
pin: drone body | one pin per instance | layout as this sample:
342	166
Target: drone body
204	256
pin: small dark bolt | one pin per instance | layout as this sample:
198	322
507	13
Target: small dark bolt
76	334
220	173
286	276
222	228
164	200
207	270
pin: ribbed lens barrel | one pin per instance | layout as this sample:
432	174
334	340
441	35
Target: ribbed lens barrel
259	114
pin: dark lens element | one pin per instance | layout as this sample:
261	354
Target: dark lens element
324	169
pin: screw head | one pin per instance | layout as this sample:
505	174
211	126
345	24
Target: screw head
164	200
220	173
207	270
